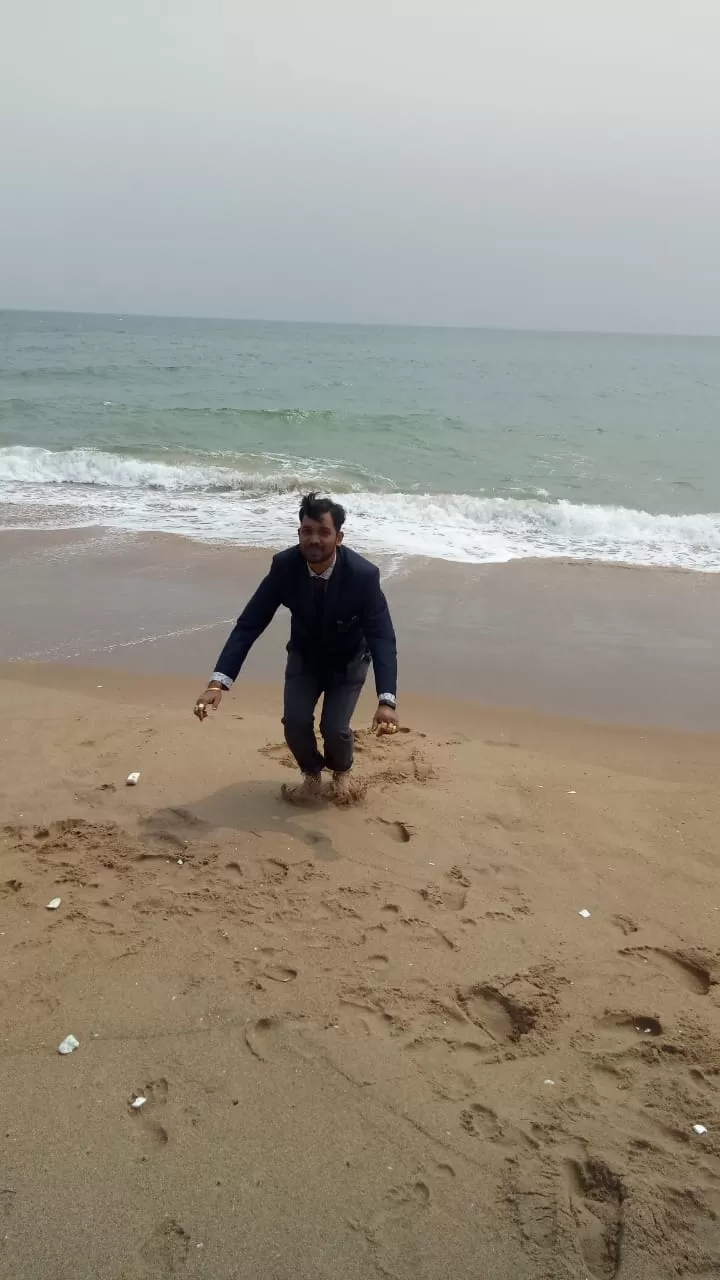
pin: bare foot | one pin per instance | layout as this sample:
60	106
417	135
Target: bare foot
347	789
309	791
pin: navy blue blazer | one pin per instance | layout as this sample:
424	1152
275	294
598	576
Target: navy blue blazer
356	618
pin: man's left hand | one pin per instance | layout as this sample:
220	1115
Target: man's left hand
385	720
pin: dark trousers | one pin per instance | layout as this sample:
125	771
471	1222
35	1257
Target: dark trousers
304	686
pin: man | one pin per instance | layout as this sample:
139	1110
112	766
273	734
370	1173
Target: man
340	620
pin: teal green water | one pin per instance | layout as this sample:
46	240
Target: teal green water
467	444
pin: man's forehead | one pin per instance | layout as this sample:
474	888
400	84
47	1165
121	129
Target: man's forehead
325	520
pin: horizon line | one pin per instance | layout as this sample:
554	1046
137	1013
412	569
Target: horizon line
364	324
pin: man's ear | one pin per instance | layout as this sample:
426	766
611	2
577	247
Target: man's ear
340	537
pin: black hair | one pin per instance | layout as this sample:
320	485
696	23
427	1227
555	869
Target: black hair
314	508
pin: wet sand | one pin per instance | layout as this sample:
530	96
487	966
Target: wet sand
624	646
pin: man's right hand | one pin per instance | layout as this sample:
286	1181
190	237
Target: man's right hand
208	701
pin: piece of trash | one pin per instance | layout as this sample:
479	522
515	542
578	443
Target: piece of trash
53	904
69	1045
138	1102
699	1128
584	913
572	793
548	1081
132	780
180	862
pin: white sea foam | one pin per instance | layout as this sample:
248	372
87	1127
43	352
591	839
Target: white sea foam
218	499
34	466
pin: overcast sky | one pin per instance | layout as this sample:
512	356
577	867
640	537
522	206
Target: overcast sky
521	163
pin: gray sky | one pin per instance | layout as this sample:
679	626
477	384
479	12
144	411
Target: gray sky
523	163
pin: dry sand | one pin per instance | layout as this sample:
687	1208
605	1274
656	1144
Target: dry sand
373	1042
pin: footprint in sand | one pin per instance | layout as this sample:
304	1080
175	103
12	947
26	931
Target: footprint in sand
263	1037
272	1039
625	924
688	970
275	870
410	1195
279	973
400	1205
321	844
397	1228
595	1196
452	899
278	751
452	1065
173	826
362	1019
627	1028
403	832
480	1121
458	875
508	823
708	1078
150	1132
166	1250
504	1019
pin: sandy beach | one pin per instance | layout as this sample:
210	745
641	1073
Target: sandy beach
437	286
381	1041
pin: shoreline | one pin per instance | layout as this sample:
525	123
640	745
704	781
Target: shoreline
21	541
568	639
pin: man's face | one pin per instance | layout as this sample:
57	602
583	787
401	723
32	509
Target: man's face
318	539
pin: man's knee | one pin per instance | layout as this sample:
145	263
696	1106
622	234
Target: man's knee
338	743
335	728
297	726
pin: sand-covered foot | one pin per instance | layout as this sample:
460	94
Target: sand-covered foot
346	788
309	792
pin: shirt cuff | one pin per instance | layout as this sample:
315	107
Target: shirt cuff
219	678
387	699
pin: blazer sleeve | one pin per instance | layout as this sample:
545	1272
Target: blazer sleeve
254	619
380	635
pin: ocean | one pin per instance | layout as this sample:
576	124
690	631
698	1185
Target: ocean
465	445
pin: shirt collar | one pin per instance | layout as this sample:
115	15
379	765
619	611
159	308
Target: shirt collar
327	575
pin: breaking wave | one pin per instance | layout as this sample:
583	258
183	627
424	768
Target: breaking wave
247	500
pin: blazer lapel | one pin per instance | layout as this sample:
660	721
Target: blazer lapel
332	593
